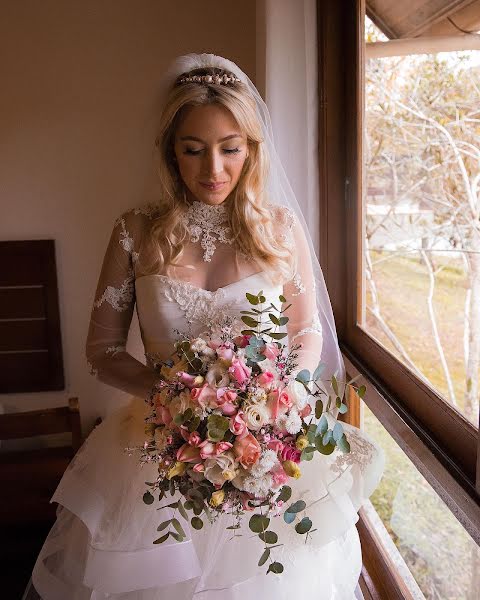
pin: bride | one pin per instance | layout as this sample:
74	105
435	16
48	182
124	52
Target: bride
226	223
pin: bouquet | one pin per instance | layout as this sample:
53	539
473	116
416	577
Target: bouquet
231	421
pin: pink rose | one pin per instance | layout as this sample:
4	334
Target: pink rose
204	396
222	447
225	352
265	379
305	411
207	449
163	415
270	351
189	454
242	340
247	450
225	395
199	467
275	445
278	403
289	453
186	378
228	409
238	425
279	477
239	370
194	439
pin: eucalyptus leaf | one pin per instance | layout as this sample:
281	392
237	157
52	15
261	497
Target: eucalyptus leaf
289	517
275	567
196	522
285	493
311	433
318	371
343	444
307	453
250	321
278	336
282	298
322	425
164	525
335	384
342	409
297	506
328	437
323	449
178	527
318	409
269	537
258	523
177	536
303	376
361	391
337	431
162	539
274	319
264	557
304	525
148	498
252	299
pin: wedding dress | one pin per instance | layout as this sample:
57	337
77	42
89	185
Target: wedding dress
101	545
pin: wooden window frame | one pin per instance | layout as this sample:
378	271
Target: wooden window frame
442	428
441	443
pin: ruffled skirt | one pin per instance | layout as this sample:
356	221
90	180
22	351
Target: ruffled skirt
101	545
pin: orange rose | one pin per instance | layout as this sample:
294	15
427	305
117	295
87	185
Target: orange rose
247	450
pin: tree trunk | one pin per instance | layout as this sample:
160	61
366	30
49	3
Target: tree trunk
473	323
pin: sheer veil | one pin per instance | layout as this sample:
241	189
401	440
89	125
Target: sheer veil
279	192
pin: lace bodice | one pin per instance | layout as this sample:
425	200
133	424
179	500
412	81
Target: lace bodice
194	297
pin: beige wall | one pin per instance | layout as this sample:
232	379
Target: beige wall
77	122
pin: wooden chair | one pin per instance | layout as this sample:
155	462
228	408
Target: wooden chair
29	479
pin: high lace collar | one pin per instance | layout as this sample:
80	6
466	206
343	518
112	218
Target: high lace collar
208	224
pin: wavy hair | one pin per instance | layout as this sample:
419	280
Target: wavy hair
251	220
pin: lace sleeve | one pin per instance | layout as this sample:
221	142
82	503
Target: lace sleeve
112	312
304	325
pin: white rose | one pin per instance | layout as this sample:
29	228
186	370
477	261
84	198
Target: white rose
217	375
255	416
221	468
299	395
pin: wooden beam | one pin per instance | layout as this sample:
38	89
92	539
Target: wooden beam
422	45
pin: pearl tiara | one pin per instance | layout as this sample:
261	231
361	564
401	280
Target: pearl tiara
218	79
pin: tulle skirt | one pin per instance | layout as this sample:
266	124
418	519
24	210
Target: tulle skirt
101	545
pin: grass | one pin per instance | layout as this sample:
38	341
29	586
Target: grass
440	554
402	287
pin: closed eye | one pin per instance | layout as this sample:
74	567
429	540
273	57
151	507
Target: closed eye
225	150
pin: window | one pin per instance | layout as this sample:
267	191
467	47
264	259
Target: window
396	258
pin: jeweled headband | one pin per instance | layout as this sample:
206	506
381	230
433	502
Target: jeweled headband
217	79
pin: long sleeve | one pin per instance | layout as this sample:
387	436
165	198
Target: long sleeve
304	325
112	312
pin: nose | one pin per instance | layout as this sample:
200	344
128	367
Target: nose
213	164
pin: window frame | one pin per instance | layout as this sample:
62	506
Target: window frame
452	439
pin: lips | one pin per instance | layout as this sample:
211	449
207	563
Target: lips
213	186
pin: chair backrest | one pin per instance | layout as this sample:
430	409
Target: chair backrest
43	422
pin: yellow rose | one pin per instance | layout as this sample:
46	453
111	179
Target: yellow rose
178	468
291	469
217	498
150	429
229	475
302	442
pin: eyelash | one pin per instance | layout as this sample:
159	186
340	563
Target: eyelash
226	150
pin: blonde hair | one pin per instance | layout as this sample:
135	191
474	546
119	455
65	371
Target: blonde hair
252	220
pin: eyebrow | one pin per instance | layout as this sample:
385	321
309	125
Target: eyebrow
195	139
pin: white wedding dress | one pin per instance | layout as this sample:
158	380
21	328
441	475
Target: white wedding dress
101	545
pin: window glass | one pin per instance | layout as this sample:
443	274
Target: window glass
431	550
421	206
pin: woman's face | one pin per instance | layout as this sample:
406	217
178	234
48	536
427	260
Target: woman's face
210	150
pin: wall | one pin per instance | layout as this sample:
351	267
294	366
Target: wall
77	124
